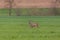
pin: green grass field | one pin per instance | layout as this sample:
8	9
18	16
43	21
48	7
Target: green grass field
17	28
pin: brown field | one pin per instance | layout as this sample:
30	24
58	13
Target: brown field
29	3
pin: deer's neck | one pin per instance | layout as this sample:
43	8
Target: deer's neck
30	22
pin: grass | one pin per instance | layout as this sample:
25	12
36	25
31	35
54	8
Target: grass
17	28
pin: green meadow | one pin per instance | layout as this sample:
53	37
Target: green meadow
17	28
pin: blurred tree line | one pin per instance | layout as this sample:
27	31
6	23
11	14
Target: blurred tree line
34	11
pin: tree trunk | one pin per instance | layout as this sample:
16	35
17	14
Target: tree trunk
10	6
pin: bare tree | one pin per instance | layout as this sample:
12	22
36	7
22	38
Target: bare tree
55	10
10	6
18	11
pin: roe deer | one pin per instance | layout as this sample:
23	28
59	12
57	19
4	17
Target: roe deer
33	24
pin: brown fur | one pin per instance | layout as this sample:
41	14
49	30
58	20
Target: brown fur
32	24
